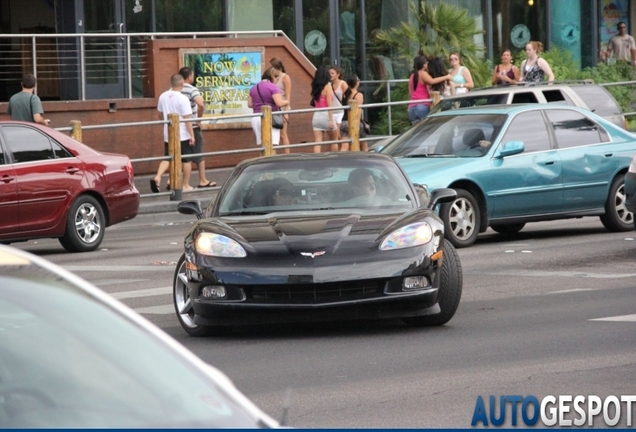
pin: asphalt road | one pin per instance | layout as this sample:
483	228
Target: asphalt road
550	311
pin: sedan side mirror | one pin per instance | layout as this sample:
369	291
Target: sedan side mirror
510	148
192	207
442	195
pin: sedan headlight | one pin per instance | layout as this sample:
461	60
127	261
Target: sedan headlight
219	246
416	234
632	166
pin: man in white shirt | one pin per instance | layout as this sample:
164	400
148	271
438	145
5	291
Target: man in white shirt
622	45
173	102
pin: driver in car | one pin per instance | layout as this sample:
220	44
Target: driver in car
362	183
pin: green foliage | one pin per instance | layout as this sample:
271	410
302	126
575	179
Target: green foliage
619	72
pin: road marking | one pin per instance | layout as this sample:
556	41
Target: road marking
142	293
553	274
158	310
573	290
117	268
620	318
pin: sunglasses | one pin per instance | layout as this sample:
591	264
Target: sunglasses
284	192
622	27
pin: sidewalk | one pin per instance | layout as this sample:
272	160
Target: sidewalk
160	203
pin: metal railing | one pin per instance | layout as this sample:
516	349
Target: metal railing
354	112
79	66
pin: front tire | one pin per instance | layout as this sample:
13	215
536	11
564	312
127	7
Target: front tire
85	225
617	218
450	291
461	219
183	302
507	228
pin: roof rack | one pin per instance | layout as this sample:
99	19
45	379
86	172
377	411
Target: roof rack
545	83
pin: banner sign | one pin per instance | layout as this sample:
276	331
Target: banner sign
224	77
611	12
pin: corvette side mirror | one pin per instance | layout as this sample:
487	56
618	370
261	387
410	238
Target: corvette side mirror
442	195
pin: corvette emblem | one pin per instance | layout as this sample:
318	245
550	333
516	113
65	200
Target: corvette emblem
313	255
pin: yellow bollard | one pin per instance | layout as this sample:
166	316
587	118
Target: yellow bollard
266	130
354	124
76	132
174	147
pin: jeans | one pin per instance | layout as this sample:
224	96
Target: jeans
418	112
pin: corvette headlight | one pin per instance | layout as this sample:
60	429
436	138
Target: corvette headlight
415	234
219	246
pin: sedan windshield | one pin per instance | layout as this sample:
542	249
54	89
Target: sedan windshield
329	184
463	135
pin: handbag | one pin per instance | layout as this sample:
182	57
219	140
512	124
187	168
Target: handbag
278	122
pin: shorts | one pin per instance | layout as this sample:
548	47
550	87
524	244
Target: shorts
256	127
418	112
186	149
198	146
338	116
320	121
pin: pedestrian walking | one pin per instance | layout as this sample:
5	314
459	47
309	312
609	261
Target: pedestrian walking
339	86
322	97
174	102
622	46
419	81
26	105
534	68
505	73
266	92
196	104
461	78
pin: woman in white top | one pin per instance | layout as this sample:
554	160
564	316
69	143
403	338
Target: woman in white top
285	86
339	87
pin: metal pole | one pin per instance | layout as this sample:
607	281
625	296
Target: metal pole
128	60
388	99
82	70
35	68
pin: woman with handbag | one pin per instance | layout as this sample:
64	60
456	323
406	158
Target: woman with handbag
339	86
267	92
352	93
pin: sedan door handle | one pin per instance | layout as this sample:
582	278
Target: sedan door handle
609	154
549	163
72	170
7	179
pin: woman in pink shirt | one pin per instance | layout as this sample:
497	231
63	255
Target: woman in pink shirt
418	89
322	97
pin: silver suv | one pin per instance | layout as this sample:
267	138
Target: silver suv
584	94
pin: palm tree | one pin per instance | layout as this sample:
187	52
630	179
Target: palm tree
437	31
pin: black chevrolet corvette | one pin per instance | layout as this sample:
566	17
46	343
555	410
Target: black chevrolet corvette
306	237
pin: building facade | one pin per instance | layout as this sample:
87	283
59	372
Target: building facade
337	32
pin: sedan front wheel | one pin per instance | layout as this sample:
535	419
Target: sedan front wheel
461	219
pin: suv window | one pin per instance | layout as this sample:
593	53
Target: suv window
530	128
524	97
573	129
598	100
557	96
469	101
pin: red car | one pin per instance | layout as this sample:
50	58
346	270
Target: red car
54	186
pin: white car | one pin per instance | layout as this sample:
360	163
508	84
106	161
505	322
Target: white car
71	356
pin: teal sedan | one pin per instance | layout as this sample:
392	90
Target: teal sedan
516	164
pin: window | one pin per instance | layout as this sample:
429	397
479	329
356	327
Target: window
598	100
530	128
27	144
556	96
573	129
526	97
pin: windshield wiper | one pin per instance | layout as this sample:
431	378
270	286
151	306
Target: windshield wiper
245	213
425	155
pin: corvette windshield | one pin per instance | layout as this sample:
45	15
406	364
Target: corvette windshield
464	135
301	185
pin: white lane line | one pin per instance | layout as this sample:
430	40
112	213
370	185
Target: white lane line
620	318
167	267
158	310
142	293
573	290
552	274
